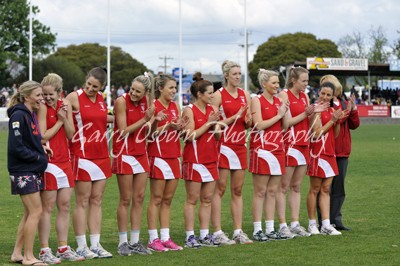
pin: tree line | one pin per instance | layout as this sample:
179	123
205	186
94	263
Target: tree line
73	62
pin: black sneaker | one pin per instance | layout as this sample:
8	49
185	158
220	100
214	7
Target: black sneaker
260	237
208	241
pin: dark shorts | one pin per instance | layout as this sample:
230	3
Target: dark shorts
26	183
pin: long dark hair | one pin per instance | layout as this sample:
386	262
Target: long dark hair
200	85
331	86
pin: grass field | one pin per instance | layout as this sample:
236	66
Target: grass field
372	209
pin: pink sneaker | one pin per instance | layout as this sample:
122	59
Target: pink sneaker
169	244
157	246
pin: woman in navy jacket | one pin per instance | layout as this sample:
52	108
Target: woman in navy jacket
26	163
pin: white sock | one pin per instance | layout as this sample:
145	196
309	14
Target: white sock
282	225
237	232
312	222
257	227
294	224
81	241
153	234
189	233
217	233
164	233
45	249
269	226
94	240
203	233
326	222
135	236
123	237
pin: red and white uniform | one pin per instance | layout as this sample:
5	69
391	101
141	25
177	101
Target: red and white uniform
200	156
297	137
322	151
89	147
267	156
165	149
129	153
233	150
58	173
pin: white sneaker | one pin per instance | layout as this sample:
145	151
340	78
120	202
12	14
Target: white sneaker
223	239
330	230
86	253
285	233
242	238
69	254
313	229
47	257
101	252
299	230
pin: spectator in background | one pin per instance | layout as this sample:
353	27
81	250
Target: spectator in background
121	91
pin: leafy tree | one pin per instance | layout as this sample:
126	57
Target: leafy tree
88	55
287	48
14	32
353	45
378	52
374	45
396	47
71	73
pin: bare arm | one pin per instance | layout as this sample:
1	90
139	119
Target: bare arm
68	122
47	134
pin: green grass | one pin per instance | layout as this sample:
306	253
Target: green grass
372	209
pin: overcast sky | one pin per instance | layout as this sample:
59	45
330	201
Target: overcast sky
212	29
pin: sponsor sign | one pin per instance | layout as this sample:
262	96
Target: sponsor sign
395	111
323	63
373	110
394	64
3	114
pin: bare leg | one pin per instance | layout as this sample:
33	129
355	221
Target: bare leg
206	194
165	209
324	198
63	216
82	194
315	186
157	187
269	203
294	194
216	203
237	180
260	189
192	195
138	192
48	202
95	211
281	195
125	195
19	243
33	205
